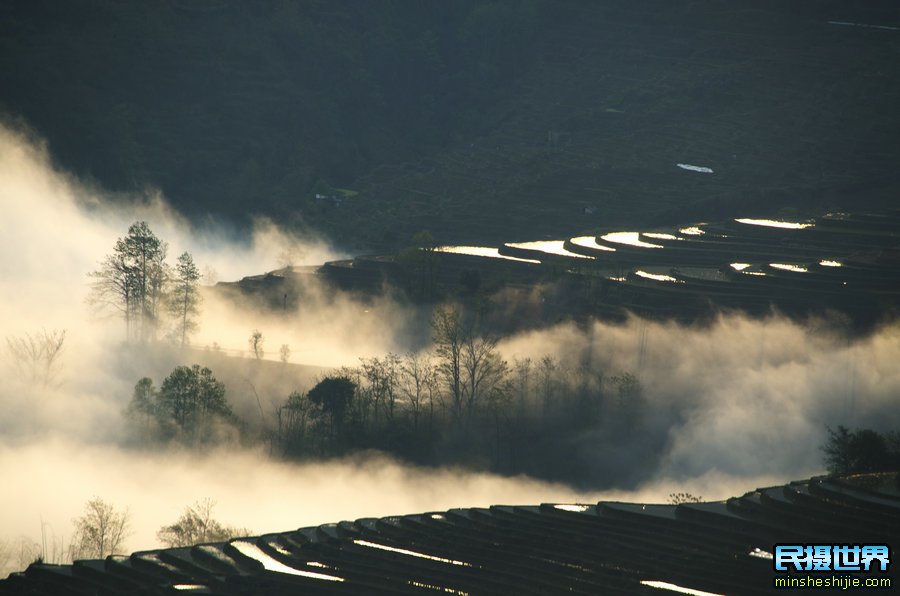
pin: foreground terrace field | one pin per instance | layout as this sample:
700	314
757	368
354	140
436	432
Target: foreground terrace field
714	548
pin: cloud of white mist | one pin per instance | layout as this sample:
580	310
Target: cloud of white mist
255	492
323	328
54	230
741	396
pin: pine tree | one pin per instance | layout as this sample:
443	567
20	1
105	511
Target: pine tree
184	300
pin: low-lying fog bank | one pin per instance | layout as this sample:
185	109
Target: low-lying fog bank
54	477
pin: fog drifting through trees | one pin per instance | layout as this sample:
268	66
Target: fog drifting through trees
739	404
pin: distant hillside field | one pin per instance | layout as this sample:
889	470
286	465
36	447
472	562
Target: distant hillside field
372	120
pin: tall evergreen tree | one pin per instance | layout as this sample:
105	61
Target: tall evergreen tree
184	299
147	255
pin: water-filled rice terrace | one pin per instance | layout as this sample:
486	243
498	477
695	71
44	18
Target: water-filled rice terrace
843	261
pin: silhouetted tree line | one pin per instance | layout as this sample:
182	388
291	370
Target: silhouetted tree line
860	451
461	403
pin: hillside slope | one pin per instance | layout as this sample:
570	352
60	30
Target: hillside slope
786	109
534	117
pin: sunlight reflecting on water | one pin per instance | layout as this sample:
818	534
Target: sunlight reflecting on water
656	276
773	223
789	267
318	564
573	508
553	247
590	242
631	238
676	588
693	168
249	549
410	553
482	251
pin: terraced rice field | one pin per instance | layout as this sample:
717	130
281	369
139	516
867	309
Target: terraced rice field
706	549
842	261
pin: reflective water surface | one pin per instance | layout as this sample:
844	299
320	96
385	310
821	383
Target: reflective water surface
630	238
773	223
590	242
482	251
553	247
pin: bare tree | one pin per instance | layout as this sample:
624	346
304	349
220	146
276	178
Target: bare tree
522	369
197	526
17	554
419	384
256	342
113	286
381	375
484	371
548	373
468	363
284	352
100	532
37	356
449	336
